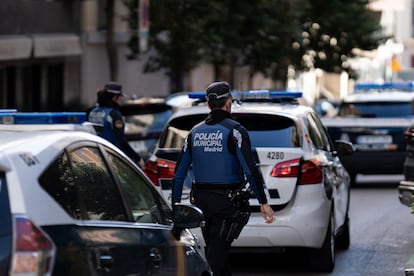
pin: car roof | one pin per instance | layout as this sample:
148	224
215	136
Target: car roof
144	105
37	141
288	110
180	100
33	133
380	96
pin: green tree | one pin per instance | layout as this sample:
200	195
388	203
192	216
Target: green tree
176	30
267	36
110	44
331	29
238	33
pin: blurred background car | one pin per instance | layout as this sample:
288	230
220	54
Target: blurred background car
406	186
145	118
306	184
374	119
71	203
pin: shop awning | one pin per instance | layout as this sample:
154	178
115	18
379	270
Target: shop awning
15	47
52	45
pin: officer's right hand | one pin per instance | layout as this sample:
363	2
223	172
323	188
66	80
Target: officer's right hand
267	213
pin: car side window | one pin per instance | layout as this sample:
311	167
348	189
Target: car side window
317	134
324	134
80	182
146	205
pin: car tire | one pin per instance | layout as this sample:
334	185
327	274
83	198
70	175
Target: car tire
343	240
323	259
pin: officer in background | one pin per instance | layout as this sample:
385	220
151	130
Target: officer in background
219	152
109	122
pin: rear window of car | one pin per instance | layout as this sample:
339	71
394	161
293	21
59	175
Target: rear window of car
377	109
264	130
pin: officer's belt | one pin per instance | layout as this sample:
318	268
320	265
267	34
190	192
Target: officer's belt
224	187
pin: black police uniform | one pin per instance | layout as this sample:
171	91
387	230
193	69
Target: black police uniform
219	151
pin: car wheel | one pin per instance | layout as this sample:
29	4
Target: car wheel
323	259
343	239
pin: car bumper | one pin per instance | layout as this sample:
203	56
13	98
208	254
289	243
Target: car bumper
374	162
301	224
406	192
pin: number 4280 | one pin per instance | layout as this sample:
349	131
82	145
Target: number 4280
275	155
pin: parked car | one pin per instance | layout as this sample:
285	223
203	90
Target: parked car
72	203
406	186
373	119
306	184
144	120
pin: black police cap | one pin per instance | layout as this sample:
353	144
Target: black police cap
218	90
114	88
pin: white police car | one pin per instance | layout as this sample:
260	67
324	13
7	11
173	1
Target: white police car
306	184
71	203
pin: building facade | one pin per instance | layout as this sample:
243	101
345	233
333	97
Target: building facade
53	55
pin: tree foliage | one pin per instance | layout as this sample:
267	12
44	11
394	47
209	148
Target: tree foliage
265	35
331	29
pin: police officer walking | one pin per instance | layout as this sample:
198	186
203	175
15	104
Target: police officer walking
108	119
219	151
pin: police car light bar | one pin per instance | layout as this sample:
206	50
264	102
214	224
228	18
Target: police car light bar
409	85
253	94
8	110
42	118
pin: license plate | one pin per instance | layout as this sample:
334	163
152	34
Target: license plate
374	139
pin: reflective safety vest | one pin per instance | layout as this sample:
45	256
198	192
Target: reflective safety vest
212	161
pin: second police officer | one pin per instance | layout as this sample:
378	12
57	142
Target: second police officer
219	151
109	122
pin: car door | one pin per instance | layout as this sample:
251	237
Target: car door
6	227
108	237
336	177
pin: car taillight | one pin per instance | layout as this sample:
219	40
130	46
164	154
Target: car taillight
151	171
159	169
34	251
311	172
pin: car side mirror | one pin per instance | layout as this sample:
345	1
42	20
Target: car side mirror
187	216
344	147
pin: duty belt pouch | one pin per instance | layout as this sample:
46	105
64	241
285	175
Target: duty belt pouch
232	227
240	200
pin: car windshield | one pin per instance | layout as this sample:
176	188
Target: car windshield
377	109
264	130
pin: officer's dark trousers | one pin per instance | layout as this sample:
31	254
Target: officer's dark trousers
216	206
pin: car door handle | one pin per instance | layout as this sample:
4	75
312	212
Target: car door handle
105	262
